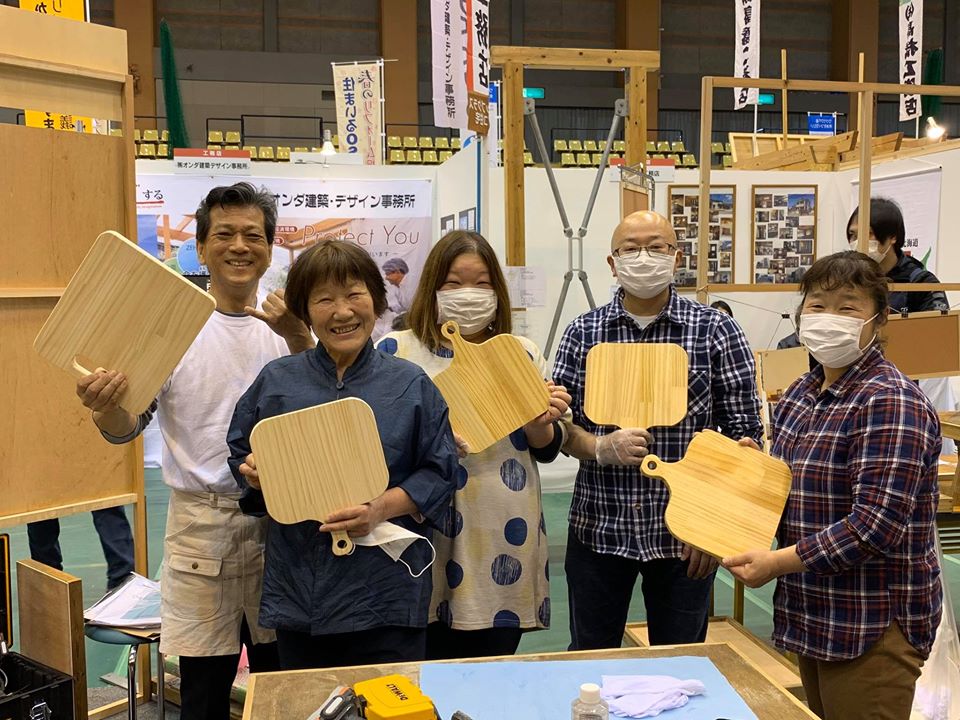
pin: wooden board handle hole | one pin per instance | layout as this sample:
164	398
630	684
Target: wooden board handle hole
342	544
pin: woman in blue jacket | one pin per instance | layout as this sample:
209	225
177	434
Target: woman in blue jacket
364	608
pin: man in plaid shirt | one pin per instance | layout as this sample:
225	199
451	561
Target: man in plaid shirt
617	528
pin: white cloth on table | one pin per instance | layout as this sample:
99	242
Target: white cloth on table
640	696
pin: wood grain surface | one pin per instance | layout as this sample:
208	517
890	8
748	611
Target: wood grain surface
725	499
636	384
124	310
315	461
492	388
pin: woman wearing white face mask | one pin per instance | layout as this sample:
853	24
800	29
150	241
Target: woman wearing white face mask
887	237
490	576
859	599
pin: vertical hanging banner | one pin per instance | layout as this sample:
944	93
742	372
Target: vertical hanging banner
358	92
746	41
448	26
478	65
910	13
70	9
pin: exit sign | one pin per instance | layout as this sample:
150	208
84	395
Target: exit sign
764	98
535	93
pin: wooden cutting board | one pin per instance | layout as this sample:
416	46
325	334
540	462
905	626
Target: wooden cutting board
124	310
636	385
492	388
725	499
319	460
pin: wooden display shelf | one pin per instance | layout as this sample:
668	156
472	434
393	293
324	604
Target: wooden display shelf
727	630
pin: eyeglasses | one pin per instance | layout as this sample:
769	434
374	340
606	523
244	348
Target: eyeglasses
651	250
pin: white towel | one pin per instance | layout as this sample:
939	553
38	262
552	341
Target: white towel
640	696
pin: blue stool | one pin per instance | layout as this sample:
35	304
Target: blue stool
115	636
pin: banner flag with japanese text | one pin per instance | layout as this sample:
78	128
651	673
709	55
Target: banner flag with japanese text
910	50
746	62
357	87
478	65
448	25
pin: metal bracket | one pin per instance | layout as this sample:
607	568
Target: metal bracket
529	110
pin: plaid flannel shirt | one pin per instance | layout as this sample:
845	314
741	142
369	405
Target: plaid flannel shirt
618	510
864	455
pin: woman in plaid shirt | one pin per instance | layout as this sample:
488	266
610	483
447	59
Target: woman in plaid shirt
858	597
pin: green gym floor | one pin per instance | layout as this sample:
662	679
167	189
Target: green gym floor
83	558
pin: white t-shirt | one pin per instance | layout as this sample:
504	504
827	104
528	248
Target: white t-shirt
642	320
196	403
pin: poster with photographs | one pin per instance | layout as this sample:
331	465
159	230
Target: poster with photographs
784	232
685	217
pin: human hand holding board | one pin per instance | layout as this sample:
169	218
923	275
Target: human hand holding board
314	462
125	311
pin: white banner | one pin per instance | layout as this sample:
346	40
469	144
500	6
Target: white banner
918	195
478	62
448	24
387	218
358	91
911	54
746	63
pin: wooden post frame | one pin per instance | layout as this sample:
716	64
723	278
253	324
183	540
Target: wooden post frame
866	93
59	191
513	59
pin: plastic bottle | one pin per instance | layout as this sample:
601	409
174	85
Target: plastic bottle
589	706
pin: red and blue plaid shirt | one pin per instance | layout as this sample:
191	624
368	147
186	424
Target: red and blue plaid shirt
617	510
864	454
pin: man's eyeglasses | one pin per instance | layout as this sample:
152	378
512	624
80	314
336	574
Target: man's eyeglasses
651	250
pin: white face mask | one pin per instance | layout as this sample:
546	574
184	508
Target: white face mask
833	340
646	275
470	308
873	250
394	540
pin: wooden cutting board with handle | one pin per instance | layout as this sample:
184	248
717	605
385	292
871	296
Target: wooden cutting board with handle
319	460
492	388
124	310
725	499
636	385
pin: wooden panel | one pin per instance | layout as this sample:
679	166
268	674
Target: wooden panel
636	384
51	623
573	58
281	695
124	310
492	388
30	87
779	368
49	39
729	631
67	188
925	344
52	453
725	499
319	460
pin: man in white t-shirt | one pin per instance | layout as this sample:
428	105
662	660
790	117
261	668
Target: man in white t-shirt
213	554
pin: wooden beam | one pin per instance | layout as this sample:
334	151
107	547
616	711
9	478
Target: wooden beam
398	41
703	237
834	86
137	18
513	163
635	128
573	58
866	153
783	99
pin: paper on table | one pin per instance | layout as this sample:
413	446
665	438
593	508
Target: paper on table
135	603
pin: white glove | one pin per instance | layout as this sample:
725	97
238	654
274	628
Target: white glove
627	446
